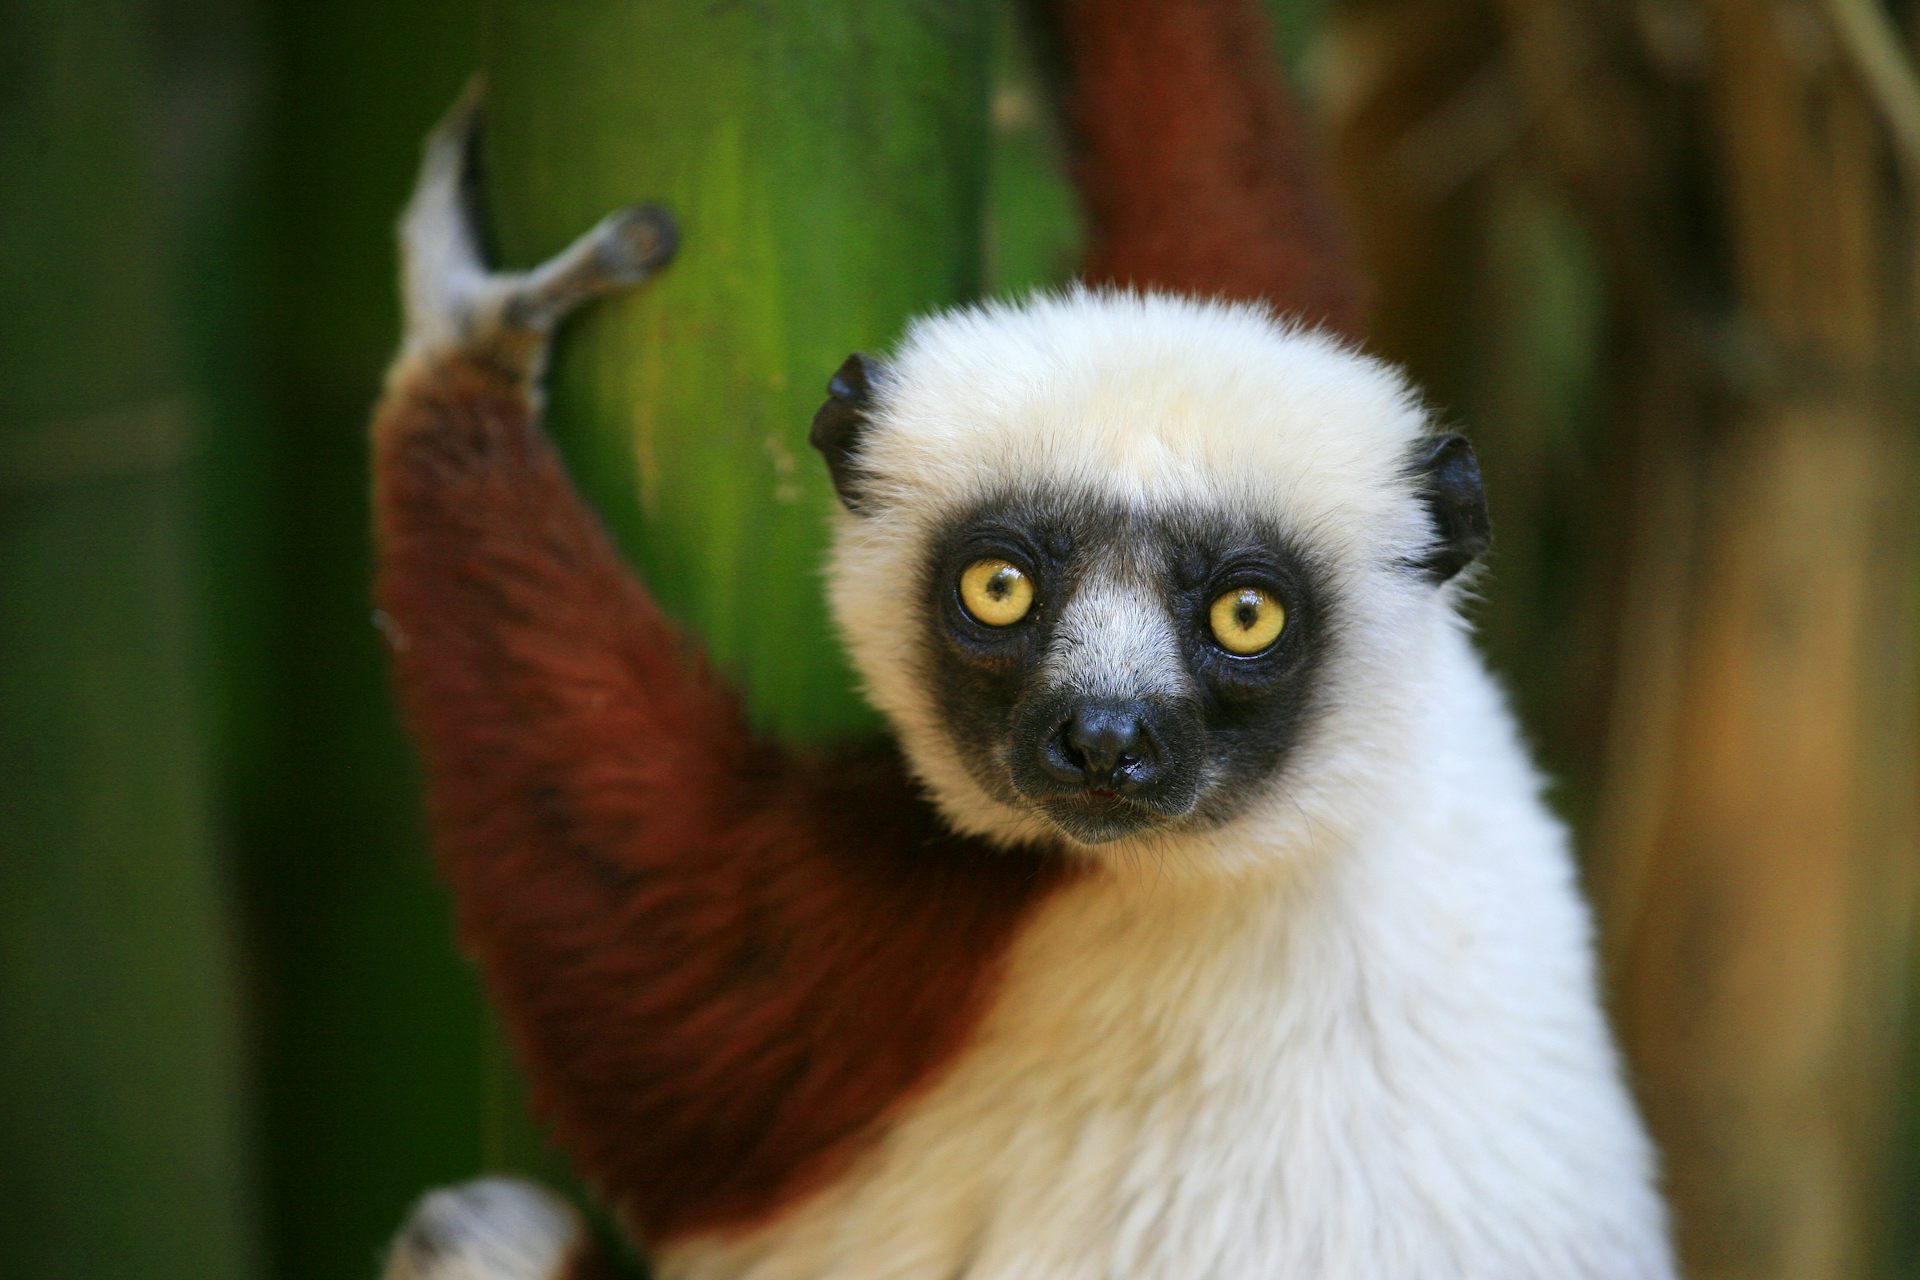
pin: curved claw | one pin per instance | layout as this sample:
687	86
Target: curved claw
455	302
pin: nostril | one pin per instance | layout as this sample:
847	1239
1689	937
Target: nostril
1060	758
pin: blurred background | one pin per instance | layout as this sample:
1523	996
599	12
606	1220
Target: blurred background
1658	256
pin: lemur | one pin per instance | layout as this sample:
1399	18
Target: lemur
1204	917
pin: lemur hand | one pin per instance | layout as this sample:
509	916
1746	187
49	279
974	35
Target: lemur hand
455	302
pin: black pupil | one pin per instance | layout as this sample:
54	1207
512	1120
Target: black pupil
1000	584
1246	612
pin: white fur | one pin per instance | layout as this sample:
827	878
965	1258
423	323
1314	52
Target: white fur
1116	643
1352	1034
490	1229
1161	402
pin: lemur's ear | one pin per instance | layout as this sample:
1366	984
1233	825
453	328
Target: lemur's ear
842	421
1449	478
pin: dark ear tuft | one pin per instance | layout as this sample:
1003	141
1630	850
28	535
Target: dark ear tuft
841	422
1449	478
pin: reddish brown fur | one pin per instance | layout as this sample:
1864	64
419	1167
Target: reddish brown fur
1195	167
720	964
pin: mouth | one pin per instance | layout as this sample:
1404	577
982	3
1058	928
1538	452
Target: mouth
1099	815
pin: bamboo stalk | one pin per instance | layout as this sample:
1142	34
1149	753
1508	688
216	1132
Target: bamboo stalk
123	1135
827	167
370	1026
1763	983
829	171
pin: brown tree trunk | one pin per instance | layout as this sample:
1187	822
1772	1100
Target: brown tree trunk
1737	171
1760	900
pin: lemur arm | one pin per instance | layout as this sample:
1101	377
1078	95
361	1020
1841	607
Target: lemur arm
1196	168
719	963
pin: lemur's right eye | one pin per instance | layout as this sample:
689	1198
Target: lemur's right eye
995	593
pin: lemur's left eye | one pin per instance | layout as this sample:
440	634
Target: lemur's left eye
996	592
1247	620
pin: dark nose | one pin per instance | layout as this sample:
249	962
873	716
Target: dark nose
1103	746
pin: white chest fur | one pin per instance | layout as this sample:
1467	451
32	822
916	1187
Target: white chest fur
1387	1064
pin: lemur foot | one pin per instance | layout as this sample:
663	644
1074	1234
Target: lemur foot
492	1229
455	302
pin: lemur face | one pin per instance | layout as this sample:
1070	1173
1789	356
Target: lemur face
1115	669
1120	567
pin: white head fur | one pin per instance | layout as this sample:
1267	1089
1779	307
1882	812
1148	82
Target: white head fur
1156	403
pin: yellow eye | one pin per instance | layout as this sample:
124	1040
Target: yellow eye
1246	620
996	592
